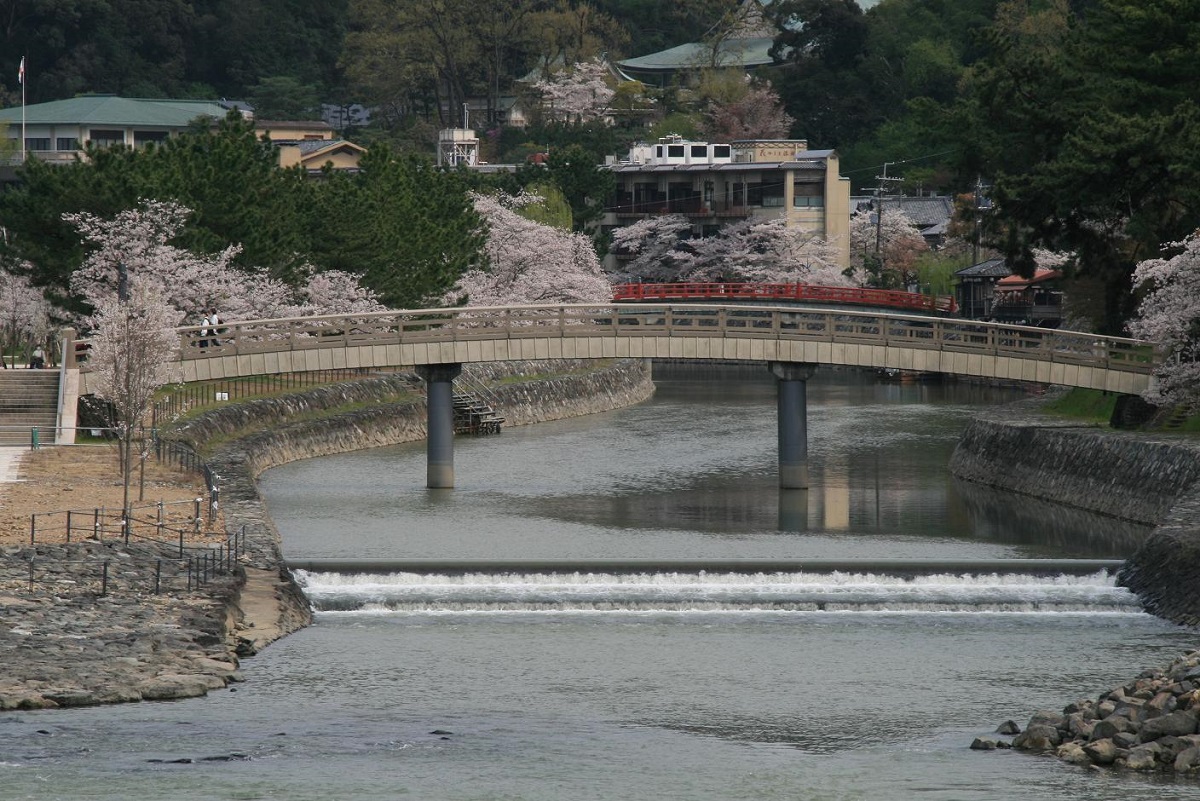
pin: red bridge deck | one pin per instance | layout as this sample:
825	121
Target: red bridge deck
792	293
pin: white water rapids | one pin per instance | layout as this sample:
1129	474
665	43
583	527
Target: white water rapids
414	593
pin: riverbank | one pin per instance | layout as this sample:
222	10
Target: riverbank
1153	722
64	644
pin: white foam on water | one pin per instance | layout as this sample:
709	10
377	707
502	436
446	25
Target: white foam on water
481	593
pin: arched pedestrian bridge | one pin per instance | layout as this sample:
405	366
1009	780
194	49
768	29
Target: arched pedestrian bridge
791	340
675	331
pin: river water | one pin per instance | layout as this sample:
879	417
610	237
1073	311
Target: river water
845	685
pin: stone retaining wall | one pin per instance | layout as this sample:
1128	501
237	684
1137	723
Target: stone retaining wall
1142	478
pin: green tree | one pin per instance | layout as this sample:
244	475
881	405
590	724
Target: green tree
586	186
1090	125
406	227
284	97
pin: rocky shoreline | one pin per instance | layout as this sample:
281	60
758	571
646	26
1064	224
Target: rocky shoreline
1149	724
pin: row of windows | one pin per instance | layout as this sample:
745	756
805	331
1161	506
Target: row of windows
43	143
99	138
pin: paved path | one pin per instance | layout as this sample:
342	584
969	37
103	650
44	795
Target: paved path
10	460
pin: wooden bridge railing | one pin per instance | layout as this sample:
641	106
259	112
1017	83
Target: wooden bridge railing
672	320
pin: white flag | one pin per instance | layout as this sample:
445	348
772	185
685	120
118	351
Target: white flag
21	71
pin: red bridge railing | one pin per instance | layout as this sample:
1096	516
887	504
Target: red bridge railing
803	293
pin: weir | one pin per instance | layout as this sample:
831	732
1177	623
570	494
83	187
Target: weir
893	567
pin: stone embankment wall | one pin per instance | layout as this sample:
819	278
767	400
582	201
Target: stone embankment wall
1152	722
1132	476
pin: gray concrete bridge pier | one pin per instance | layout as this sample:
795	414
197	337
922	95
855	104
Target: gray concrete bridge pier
439	427
792	404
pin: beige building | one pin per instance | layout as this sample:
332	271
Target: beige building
714	184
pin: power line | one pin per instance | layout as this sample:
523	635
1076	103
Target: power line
902	161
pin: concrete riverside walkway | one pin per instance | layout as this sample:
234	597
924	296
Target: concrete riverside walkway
10	463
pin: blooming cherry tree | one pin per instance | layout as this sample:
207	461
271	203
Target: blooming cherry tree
1169	313
580	94
528	262
131	349
138	240
756	113
764	251
24	311
648	250
886	246
760	251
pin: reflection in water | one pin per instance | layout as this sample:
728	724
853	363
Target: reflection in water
1047	528
793	510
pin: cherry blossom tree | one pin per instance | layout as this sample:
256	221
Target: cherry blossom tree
760	251
754	112
336	292
24	312
1169	313
764	251
528	262
580	94
133	343
137	241
887	246
648	250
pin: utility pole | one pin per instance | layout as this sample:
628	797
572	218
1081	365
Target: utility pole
978	218
879	193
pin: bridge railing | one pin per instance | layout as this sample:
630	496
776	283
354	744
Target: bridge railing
672	320
796	293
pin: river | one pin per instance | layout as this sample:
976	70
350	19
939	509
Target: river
841	685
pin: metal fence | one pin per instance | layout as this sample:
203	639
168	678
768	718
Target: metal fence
191	568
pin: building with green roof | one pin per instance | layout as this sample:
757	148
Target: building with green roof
59	130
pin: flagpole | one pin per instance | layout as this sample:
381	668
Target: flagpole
22	77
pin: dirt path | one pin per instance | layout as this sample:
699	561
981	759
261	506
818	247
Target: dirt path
83	478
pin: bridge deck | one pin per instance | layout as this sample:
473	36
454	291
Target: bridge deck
680	331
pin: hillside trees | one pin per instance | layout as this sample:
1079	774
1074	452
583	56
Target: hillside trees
1092	126
167	48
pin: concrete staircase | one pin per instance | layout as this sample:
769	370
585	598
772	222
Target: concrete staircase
28	398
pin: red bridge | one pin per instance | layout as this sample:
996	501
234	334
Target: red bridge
791	293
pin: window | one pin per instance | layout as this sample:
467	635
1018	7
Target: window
674	151
699	151
141	138
658	151
721	151
807	195
101	137
67	143
768	195
37	143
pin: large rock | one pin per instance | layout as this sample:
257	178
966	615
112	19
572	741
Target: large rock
1038	737
1109	727
1144	757
1073	753
1102	752
1175	724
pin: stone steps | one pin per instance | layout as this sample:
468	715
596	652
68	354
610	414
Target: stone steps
28	399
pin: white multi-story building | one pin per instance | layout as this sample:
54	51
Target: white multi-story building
715	184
